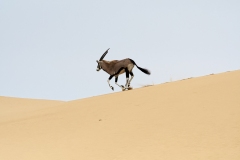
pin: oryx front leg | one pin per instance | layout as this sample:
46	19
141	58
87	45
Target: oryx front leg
109	82
121	86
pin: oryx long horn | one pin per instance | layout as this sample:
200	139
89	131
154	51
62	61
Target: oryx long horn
104	54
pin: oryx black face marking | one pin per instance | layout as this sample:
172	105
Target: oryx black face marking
98	66
117	67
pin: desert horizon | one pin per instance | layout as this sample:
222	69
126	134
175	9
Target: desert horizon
194	118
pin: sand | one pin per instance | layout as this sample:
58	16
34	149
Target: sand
193	119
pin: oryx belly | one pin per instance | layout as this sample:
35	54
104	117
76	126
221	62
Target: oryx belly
121	72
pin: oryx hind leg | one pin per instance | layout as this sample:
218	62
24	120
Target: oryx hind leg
132	75
127	78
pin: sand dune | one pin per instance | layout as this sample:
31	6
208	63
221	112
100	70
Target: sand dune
197	118
16	108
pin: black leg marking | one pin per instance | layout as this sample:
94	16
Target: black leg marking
131	73
127	77
127	73
116	79
110	77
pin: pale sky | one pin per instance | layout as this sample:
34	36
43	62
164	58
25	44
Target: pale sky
48	49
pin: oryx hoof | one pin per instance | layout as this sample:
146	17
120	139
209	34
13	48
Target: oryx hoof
123	88
112	88
130	88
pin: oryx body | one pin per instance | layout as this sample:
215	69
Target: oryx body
116	67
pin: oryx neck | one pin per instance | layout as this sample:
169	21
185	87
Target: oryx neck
106	66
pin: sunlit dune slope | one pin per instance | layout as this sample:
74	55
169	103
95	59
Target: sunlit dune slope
197	118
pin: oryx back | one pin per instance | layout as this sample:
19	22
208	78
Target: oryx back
120	66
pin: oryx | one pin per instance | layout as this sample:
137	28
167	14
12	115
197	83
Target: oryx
117	67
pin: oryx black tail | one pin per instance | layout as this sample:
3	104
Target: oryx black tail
144	70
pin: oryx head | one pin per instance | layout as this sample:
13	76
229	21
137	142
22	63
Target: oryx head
99	67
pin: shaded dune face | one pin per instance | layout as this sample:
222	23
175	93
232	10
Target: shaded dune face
190	119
